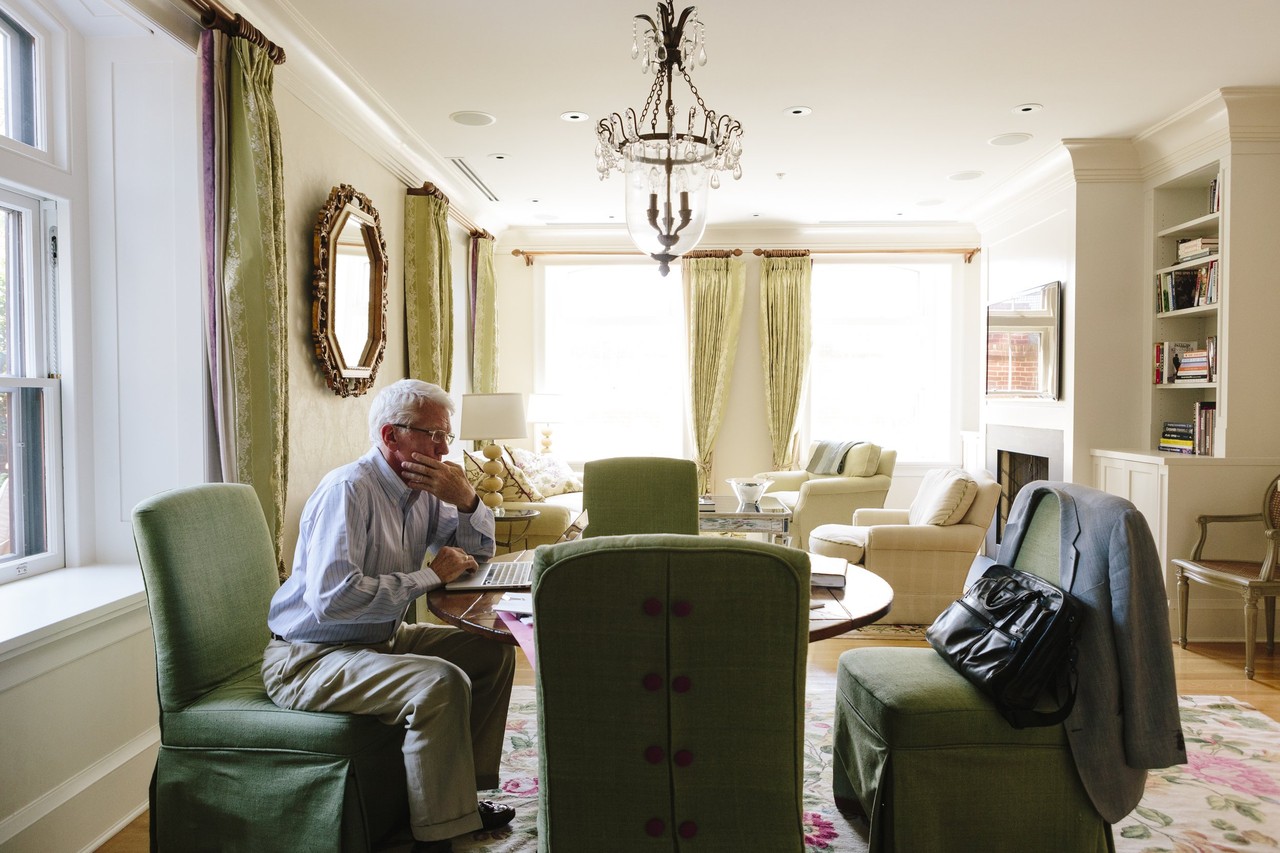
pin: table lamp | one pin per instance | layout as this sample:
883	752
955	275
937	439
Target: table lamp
488	417
545	410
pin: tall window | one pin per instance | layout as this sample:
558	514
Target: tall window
17	81
614	345
30	415
881	364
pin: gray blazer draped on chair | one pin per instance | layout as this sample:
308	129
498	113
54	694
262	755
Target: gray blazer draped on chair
1127	703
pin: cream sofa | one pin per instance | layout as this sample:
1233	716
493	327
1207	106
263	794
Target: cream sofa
923	552
817	499
557	513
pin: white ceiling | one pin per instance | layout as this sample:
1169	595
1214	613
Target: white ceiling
903	94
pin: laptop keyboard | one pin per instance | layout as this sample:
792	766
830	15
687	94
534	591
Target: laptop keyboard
519	572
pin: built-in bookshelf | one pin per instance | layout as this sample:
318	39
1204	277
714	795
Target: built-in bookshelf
1188	281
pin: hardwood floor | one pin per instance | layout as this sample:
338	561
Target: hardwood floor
1203	669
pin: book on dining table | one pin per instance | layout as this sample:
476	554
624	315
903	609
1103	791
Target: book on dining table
828	571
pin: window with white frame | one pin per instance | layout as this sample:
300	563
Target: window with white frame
880	368
613	345
30	411
18	82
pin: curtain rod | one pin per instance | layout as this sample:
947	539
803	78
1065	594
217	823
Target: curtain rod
216	16
968	253
428	188
529	256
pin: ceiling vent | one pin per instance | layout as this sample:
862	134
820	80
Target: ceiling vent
461	163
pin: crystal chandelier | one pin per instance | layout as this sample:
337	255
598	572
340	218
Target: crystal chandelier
668	168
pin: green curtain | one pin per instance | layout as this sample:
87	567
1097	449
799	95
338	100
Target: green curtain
484	315
428	285
246	289
784	346
713	293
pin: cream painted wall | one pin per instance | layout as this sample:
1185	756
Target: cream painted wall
326	430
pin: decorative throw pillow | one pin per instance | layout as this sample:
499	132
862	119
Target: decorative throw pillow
549	475
945	496
515	485
862	460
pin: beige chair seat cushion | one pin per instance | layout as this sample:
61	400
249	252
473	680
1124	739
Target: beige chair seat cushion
839	540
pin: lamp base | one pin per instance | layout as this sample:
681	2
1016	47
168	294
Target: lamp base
490	488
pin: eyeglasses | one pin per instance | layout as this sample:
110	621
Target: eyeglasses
439	436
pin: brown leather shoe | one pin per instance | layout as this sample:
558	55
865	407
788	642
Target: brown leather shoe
494	815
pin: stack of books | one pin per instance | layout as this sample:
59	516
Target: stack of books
1168	356
1178	437
1199	247
1205	414
1179	289
1193	366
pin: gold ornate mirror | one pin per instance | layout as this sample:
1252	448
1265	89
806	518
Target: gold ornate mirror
349	308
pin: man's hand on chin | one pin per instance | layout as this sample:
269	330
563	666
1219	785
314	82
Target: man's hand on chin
446	480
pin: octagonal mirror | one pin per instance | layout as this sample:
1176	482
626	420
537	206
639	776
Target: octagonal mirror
349	307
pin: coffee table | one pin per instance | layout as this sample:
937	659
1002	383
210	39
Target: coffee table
865	598
768	516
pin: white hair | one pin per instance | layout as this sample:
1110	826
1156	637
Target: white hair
400	402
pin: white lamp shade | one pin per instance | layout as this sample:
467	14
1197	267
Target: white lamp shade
493	416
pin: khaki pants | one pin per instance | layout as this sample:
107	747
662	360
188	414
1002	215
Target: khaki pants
448	688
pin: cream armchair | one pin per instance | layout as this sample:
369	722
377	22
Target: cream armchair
923	552
817	499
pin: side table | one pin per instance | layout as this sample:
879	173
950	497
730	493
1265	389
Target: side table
512	526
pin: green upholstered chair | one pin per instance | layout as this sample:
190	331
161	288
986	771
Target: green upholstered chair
671	710
235	772
927	756
640	494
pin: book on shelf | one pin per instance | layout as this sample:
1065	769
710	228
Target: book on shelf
1177	437
1197	247
1178	289
1193	366
1168	356
1205	414
1211	347
1215	196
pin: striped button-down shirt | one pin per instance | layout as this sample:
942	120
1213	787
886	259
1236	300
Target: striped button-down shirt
362	542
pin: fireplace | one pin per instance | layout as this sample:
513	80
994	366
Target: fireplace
1013	471
1017	456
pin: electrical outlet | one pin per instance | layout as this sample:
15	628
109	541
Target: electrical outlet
22	570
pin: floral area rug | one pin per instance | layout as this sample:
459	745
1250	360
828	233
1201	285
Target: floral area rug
1226	798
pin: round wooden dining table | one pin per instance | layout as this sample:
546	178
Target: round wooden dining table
865	598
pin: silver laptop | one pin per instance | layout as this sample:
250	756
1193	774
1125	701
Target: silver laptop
514	574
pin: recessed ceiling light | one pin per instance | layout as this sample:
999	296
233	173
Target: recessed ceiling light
965	176
497	156
574	115
472	118
798	111
1009	139
1023	109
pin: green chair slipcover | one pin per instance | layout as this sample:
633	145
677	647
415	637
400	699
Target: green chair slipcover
671	675
927	756
235	772
640	494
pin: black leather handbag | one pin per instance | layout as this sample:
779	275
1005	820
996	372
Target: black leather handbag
1012	635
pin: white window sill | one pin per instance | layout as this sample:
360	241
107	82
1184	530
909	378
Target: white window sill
56	604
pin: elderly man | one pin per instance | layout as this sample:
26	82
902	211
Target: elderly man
339	642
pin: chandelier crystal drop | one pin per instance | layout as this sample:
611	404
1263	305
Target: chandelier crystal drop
670	158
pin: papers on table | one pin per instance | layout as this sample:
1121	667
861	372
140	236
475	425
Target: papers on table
516	602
